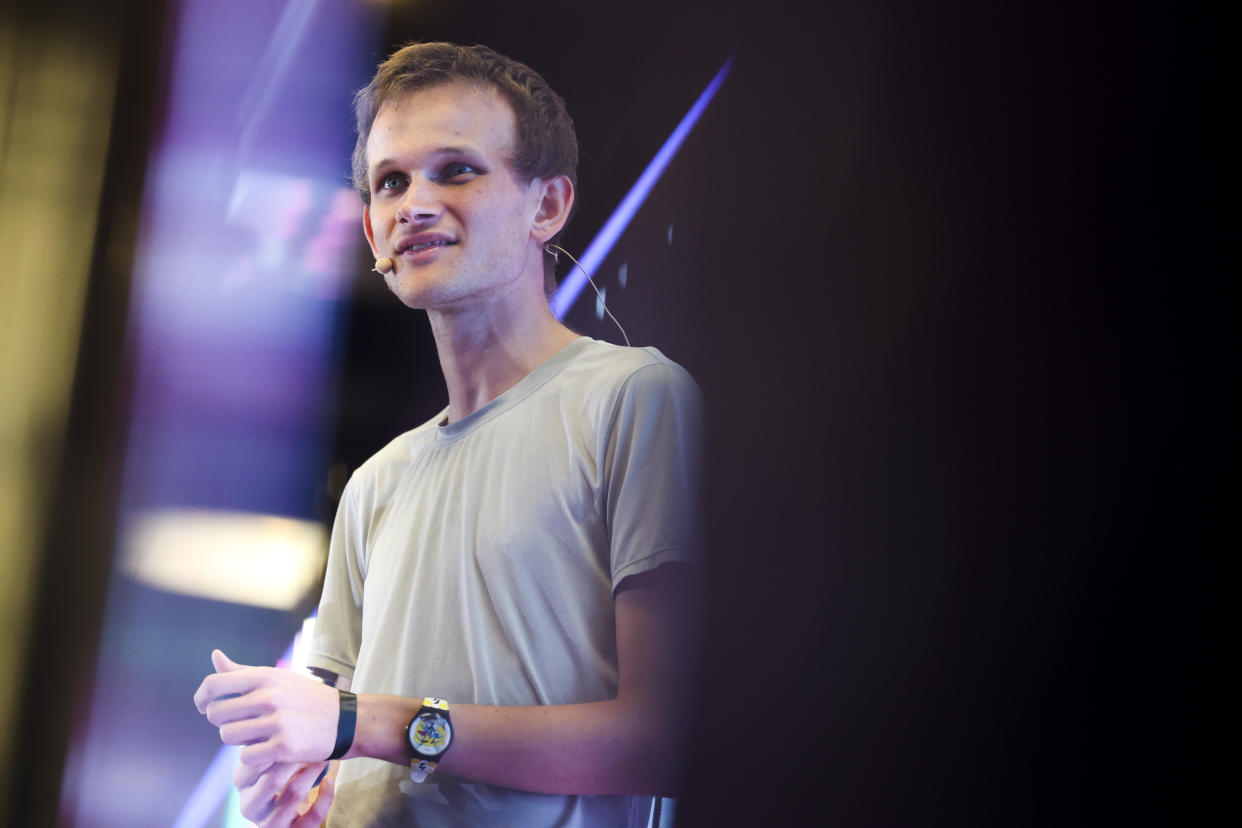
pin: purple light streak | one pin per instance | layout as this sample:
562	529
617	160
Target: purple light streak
603	243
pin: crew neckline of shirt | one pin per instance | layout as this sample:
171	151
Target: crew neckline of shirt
526	386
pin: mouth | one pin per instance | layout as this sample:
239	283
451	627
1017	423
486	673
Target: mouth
417	247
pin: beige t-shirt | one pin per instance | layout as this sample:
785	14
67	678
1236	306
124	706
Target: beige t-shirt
477	561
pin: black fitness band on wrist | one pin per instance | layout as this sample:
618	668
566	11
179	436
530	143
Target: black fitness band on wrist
345	724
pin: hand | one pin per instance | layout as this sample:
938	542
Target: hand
281	796
279	715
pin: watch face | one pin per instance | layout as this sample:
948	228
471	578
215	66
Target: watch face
430	734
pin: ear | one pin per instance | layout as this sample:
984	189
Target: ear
368	232
556	201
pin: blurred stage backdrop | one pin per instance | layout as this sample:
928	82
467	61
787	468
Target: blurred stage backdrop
950	277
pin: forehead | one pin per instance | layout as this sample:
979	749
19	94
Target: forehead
453	114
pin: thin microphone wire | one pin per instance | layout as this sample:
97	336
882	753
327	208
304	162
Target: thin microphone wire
552	249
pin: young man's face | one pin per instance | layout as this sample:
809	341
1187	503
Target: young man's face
445	205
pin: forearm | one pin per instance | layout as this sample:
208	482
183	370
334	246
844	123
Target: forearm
616	746
630	744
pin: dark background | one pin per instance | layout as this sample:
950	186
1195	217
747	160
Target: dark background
952	279
972	421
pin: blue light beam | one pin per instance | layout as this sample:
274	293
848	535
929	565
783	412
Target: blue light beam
212	789
217	781
603	243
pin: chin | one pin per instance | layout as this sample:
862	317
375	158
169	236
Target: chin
412	296
424	296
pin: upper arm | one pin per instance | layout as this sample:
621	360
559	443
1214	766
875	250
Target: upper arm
657	635
338	624
651	462
652	477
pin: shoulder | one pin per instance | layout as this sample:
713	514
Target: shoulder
383	471
637	391
626	370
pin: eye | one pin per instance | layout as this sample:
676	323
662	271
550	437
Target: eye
390	181
456	170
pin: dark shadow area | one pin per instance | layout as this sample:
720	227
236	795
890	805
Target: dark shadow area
971	421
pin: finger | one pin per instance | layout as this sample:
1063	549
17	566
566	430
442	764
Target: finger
223	663
334	768
224	684
318	811
235	708
266	752
303	782
250	731
289	800
259	798
316	814
246	775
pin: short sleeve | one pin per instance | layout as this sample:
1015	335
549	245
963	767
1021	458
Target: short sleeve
652	469
338	624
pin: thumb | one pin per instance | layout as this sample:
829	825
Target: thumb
223	663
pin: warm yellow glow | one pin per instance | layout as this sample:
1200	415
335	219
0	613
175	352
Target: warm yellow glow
58	73
239	557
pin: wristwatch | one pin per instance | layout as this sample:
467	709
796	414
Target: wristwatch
428	737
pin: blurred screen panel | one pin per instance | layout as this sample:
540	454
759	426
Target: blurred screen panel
248	233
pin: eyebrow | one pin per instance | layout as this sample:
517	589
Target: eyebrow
439	151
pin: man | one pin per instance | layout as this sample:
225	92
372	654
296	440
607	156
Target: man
508	589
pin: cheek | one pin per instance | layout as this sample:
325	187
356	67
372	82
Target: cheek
381	218
505	223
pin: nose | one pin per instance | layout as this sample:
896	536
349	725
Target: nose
421	202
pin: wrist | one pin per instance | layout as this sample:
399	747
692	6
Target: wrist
381	727
346	724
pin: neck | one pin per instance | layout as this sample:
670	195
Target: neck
485	351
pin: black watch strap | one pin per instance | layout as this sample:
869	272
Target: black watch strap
345	724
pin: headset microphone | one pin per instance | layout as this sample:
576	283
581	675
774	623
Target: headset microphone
554	250
384	265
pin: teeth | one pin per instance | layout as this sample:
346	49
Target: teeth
426	245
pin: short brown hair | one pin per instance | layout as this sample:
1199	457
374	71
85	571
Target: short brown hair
547	145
